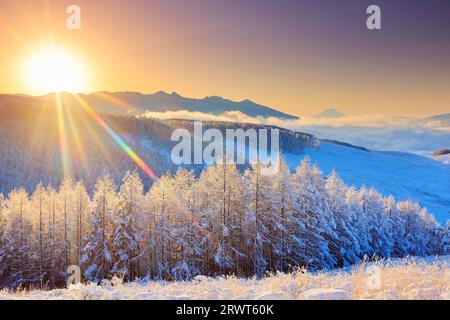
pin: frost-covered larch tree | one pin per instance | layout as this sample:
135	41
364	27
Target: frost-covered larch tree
260	218
216	187
128	233
312	219
97	250
344	246
284	225
187	227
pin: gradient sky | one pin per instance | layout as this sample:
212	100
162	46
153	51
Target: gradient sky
297	56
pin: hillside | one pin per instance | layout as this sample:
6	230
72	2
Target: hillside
31	144
403	175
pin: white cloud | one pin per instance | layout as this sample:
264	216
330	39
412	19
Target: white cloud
376	132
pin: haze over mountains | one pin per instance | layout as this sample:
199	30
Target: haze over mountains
138	103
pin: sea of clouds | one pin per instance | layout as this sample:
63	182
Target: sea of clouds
380	132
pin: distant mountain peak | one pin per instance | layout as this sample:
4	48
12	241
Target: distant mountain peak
162	101
330	113
161	93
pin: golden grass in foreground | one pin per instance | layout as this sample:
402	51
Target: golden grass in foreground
410	278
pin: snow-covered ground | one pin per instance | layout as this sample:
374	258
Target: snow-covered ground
410	278
404	175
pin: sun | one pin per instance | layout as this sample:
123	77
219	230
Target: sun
54	70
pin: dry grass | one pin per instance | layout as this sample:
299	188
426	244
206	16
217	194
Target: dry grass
390	279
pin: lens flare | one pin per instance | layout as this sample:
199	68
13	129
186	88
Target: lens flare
125	147
134	156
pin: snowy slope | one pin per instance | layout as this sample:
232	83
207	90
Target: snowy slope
403	175
383	280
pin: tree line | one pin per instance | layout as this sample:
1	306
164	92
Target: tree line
225	221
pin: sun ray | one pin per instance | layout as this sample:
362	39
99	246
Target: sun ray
133	155
62	137
110	98
76	135
92	134
125	147
12	31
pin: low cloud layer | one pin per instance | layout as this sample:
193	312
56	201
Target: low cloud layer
376	132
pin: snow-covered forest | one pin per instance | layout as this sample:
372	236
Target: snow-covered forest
31	152
224	222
